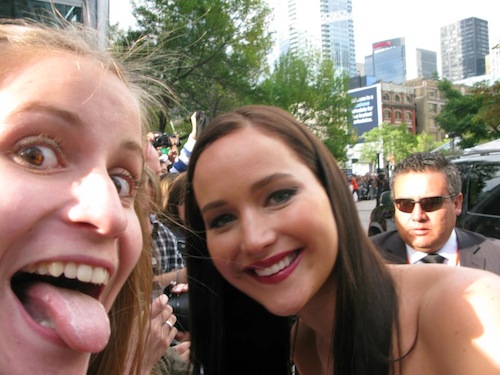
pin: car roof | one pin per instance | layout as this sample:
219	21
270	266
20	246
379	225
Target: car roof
478	156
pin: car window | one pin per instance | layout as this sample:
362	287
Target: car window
484	189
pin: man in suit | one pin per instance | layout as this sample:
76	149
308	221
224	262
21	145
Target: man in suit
426	190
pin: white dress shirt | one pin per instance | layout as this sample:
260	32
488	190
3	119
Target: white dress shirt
449	251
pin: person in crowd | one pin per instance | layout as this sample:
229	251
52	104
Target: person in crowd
270	244
355	187
75	273
170	356
169	265
199	121
426	190
163	167
172	210
382	184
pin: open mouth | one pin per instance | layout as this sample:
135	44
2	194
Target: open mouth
82	278
63	297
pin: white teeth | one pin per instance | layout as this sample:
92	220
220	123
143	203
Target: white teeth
71	270
84	273
275	268
56	269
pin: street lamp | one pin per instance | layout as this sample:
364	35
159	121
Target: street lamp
452	136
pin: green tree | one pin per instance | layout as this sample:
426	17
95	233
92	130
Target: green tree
489	111
213	50
395	142
426	142
474	117
310	89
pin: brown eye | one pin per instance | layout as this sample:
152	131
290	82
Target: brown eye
43	157
33	155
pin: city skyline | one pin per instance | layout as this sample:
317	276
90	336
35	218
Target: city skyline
419	23
374	21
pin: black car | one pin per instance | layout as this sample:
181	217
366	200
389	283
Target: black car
481	189
480	170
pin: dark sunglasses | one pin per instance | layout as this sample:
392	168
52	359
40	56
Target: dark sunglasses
428	204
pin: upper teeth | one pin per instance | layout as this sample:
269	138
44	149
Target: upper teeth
71	270
275	268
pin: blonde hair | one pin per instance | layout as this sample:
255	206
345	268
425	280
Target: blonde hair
25	39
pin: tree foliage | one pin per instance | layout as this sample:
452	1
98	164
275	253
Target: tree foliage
394	142
474	117
215	59
489	111
214	50
311	90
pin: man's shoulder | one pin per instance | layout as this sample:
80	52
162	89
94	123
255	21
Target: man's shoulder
384	237
391	246
468	238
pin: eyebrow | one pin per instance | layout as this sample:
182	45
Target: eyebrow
68	116
72	118
253	188
134	147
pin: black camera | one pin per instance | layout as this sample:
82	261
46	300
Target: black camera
180	304
165	140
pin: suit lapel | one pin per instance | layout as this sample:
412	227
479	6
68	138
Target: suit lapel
470	254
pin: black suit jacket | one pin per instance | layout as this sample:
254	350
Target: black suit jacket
476	250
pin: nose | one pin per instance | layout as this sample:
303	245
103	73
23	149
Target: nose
97	204
257	232
418	214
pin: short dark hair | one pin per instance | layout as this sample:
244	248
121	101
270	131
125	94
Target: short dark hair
430	161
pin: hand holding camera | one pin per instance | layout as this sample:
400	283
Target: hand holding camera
178	298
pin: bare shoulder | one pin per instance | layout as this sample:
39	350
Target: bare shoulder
458	313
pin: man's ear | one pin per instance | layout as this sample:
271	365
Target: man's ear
458	204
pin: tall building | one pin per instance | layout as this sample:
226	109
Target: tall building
318	25
93	13
464	45
426	63
387	63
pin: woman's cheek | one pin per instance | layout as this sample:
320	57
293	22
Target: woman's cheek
219	253
135	242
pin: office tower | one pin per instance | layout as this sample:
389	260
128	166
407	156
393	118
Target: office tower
387	63
464	45
426	63
319	25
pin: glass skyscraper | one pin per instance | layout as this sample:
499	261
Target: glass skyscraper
324	26
387	62
464	46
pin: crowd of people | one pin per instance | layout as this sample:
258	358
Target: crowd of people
369	186
280	276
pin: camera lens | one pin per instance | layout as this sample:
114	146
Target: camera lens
180	304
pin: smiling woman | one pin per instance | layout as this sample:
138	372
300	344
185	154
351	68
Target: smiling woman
276	242
73	265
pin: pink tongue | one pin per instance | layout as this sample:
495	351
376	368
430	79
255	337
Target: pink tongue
80	320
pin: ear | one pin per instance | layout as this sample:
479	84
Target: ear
458	204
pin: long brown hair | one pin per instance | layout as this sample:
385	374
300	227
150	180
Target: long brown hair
366	302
